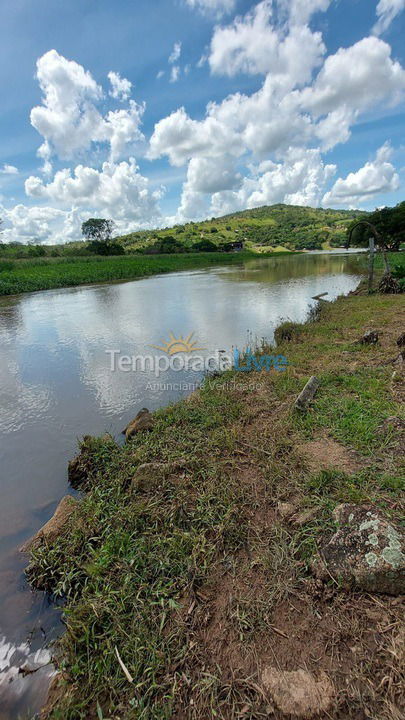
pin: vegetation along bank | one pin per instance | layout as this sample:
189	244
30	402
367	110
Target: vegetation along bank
240	558
263	231
44	274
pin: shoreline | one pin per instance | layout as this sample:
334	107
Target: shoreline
229	462
33	276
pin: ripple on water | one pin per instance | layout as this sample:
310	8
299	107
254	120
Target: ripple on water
18	689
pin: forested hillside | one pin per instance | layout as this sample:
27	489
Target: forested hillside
267	228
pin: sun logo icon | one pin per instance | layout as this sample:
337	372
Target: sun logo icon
178	345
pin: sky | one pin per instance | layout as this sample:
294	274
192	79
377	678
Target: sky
159	112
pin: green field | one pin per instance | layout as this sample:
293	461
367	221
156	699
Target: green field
43	274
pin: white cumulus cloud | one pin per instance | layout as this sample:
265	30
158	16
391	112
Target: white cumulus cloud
206	176
120	87
174	74
300	11
118	191
180	138
175	54
68	118
215	7
357	77
387	11
375	177
299	179
253	45
8	170
41	223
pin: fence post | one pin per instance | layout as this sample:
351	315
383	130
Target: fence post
370	264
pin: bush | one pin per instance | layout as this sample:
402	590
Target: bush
6	266
98	247
204	246
165	246
287	332
36	251
398	272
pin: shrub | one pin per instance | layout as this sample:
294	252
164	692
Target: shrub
36	251
204	246
398	271
99	247
287	332
6	266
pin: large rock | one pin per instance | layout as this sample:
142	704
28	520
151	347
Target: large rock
79	468
55	526
148	476
298	693
84	467
151	475
366	552
143	421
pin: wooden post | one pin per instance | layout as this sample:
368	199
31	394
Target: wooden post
307	394
370	264
386	263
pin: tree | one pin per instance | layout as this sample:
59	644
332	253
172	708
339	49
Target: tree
204	245
98	229
389	224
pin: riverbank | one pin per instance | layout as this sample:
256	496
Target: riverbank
21	276
187	578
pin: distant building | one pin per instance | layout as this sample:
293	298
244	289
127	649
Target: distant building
236	246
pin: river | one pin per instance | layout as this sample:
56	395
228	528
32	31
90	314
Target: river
56	384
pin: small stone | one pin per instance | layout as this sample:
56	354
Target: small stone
298	693
401	340
55	526
305	517
366	553
286	509
80	469
142	422
369	338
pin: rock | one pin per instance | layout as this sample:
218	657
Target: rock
143	421
286	509
148	476
305	516
79	467
83	468
369	338
401	340
298	693
58	688
307	394
54	526
366	552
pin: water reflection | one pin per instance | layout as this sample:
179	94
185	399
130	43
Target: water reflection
56	384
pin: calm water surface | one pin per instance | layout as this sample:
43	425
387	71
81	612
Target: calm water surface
56	385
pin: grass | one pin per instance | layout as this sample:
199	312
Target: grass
43	274
187	576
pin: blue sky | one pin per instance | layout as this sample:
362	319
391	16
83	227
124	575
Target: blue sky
299	102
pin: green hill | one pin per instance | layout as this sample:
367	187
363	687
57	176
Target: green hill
265	228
